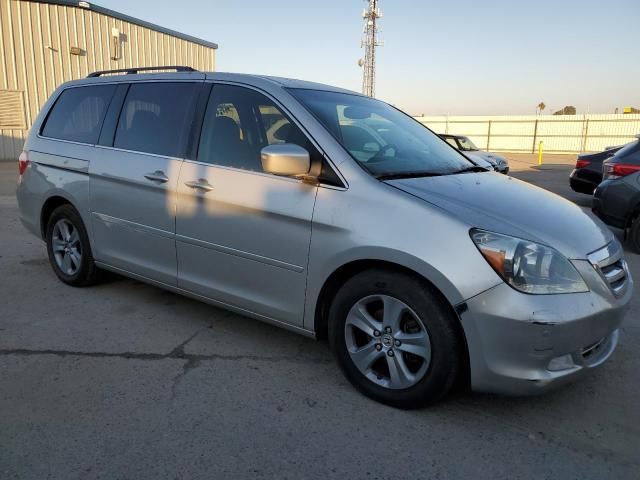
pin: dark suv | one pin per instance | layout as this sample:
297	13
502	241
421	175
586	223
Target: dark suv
617	199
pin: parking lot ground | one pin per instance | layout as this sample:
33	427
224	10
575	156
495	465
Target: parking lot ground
127	381
552	175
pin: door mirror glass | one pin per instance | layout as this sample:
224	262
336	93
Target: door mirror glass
285	159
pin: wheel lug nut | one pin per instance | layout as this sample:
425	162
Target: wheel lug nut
387	329
378	346
398	343
390	353
376	333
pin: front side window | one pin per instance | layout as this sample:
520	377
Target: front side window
385	141
239	122
78	114
157	118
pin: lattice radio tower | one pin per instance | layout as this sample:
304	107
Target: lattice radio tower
371	14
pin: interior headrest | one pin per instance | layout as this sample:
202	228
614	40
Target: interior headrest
225	127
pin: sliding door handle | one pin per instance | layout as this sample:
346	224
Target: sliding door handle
157	176
200	184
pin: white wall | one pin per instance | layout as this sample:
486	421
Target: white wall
560	133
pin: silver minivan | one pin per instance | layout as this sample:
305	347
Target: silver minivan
328	213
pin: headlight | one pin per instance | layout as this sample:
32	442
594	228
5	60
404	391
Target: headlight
527	266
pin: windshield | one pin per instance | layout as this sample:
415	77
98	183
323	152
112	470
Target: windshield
385	141
467	145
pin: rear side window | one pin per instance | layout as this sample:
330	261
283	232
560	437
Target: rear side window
156	118
78	114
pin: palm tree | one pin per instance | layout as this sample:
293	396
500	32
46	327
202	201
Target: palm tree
541	106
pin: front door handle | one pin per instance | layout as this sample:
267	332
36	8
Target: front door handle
200	184
157	176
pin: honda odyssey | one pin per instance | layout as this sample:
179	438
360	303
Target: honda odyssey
329	213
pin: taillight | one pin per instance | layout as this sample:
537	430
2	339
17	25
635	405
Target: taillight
617	170
582	163
23	162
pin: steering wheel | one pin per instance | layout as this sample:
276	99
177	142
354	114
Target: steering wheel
379	156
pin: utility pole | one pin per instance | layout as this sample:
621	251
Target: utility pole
370	15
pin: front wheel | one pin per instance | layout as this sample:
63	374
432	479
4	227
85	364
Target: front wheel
395	339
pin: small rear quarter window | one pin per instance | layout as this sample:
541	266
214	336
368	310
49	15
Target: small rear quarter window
78	114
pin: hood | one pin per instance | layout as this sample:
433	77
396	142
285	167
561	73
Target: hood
505	205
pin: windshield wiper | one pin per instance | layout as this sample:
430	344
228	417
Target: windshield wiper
397	175
475	168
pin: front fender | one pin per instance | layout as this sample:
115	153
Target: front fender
375	221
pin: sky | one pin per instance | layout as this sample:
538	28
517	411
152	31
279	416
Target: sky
460	57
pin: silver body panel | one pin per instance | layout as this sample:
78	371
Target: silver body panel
533	214
265	245
246	241
133	216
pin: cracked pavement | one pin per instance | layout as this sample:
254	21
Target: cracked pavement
127	381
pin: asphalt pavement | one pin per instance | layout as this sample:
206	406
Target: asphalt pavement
127	381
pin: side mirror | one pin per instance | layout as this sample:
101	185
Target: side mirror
285	159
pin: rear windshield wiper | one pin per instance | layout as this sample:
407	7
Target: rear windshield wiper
397	175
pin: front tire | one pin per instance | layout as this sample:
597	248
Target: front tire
395	339
69	249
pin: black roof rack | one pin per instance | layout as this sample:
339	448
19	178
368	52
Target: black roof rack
134	70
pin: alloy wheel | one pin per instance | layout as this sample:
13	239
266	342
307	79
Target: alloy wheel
66	246
387	342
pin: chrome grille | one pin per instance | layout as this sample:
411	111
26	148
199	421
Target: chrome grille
610	264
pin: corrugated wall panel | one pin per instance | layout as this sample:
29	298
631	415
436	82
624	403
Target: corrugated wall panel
35	50
4	40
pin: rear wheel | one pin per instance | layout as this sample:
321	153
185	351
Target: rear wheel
395	338
69	249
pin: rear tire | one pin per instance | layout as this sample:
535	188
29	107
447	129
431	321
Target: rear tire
395	338
69	249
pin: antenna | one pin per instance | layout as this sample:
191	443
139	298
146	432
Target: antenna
370	15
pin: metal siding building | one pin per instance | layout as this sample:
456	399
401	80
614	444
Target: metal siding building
46	43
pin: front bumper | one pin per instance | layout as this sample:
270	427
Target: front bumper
523	344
